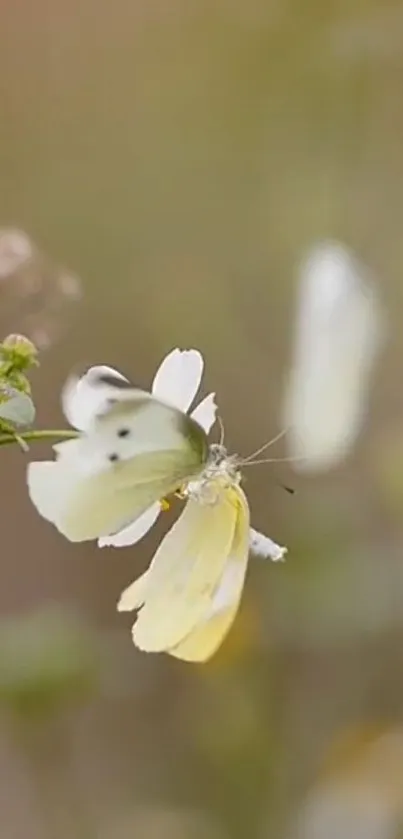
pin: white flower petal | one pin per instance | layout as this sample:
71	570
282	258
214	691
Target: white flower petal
82	398
134	531
178	378
261	545
205	412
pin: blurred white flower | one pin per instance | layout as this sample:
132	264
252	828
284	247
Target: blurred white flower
15	249
361	795
35	293
339	331
338	812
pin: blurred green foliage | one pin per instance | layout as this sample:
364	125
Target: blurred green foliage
47	660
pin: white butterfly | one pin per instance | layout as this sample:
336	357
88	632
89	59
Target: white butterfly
134	448
190	595
339	331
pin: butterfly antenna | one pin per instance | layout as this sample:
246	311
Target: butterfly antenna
272	460
265	446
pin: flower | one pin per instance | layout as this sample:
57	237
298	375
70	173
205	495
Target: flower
339	332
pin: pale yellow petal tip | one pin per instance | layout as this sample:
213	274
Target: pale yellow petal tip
134	595
142	645
124	603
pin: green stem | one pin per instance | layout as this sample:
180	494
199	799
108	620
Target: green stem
34	436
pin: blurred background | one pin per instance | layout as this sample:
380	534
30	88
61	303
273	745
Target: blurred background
163	167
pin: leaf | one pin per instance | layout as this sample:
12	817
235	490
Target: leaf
19	410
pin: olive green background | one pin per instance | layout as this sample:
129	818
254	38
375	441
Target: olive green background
180	158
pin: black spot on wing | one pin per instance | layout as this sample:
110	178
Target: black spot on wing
114	457
115	381
123	432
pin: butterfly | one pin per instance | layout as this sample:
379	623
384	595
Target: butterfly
133	449
188	598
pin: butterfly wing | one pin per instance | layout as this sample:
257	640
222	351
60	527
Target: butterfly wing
133	423
178	588
136	452
200	644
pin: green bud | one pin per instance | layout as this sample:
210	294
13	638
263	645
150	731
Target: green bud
18	352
